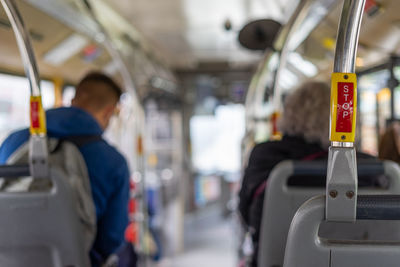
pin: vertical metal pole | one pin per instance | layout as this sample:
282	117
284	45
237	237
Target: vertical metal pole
341	189
38	155
348	33
24	45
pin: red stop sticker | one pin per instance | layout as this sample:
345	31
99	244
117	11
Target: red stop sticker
344	119
35	114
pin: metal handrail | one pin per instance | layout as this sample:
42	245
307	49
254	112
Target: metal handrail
24	45
347	37
38	152
283	41
342	178
288	39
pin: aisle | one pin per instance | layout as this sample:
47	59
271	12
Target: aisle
209	242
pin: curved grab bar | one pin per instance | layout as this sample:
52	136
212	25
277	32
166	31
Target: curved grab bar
38	154
342	167
24	45
283	41
348	33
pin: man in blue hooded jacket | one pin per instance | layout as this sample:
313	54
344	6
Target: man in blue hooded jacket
92	108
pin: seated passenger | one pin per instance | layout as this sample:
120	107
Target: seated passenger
95	101
305	128
389	145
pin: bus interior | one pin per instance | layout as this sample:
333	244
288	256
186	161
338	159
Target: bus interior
198	96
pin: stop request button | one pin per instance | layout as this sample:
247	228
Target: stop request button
345	102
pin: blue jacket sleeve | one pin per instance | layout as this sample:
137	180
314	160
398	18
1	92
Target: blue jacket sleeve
12	143
114	220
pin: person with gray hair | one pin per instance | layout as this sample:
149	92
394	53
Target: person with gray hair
305	128
306	113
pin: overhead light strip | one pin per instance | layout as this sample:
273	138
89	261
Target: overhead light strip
65	50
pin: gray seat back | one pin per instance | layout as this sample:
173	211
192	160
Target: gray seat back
47	222
41	228
282	201
305	248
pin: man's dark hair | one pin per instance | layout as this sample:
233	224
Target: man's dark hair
95	91
99	77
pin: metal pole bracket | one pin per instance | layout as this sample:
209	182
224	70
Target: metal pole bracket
341	185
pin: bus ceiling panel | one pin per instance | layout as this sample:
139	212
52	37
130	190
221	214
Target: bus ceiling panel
130	43
48	35
72	14
320	44
379	37
312	13
67	12
380	33
307	16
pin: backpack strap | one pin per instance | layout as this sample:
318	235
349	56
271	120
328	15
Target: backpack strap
78	140
260	189
315	155
81	140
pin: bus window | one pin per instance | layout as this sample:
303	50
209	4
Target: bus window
216	139
14	102
368	117
374	108
397	94
48	94
68	95
383	97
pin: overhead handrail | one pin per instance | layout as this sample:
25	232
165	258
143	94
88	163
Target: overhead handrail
288	39
341	189
38	153
129	83
111	48
284	40
306	16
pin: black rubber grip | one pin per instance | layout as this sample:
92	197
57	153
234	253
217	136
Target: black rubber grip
378	207
14	171
370	168
364	167
310	167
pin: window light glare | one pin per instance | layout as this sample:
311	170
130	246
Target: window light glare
290	79
305	66
111	68
65	50
359	62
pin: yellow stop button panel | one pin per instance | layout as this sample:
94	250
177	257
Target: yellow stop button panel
343	107
37	116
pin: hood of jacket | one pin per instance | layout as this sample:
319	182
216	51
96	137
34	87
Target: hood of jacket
71	121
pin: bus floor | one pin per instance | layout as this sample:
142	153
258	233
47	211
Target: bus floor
208	241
